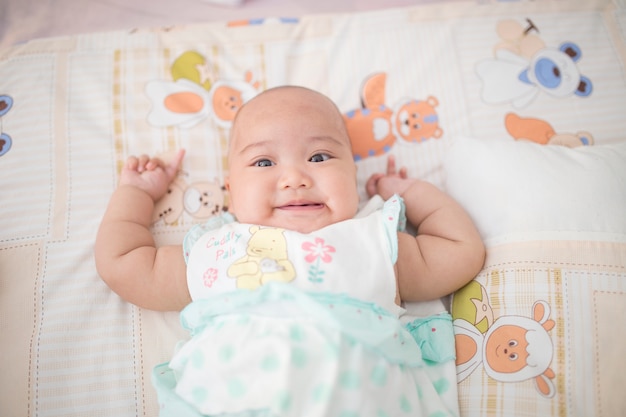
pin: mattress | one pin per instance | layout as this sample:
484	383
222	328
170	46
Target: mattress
520	109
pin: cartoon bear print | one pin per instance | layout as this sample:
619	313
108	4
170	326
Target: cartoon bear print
201	200
265	260
541	132
523	67
374	128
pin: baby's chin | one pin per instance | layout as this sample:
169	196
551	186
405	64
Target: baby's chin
298	225
297	221
306	227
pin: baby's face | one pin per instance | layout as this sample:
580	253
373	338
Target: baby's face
291	163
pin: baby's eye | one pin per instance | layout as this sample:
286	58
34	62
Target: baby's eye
320	157
263	163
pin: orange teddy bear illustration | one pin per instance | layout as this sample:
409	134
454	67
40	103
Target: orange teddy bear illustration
374	128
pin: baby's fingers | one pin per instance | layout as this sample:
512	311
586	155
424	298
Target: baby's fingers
139	164
152	163
178	160
131	163
171	169
391	165
142	163
371	186
392	168
145	163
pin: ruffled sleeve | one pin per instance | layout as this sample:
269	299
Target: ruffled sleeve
394	221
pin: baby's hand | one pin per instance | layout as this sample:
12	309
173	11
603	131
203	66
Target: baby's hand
151	174
390	183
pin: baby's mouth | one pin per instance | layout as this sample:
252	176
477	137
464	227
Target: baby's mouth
301	205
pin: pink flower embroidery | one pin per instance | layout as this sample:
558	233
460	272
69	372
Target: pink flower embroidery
318	250
209	277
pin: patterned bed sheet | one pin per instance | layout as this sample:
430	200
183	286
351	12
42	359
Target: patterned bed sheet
539	87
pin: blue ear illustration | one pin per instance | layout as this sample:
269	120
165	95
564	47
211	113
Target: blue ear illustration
523	77
585	140
584	87
6	102
572	50
5	143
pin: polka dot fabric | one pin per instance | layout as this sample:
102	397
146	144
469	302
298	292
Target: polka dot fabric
278	351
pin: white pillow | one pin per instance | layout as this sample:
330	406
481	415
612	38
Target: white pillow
522	190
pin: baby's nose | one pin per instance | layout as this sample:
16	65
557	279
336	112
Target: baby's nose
295	177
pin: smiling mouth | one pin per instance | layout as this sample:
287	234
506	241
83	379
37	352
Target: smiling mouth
301	206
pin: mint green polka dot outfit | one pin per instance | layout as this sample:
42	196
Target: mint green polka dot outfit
323	337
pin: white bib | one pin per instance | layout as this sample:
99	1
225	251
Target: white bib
355	257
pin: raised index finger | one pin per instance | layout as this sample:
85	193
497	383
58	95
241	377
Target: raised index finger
172	167
391	165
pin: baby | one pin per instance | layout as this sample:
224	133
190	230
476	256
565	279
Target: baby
292	262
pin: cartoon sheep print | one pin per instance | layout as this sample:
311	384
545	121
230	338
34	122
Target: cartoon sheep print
511	348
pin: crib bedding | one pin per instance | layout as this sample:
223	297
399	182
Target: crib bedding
515	108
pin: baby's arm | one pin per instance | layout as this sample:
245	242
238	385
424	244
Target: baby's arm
446	253
126	255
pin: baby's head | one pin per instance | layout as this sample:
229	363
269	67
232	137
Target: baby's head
290	162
